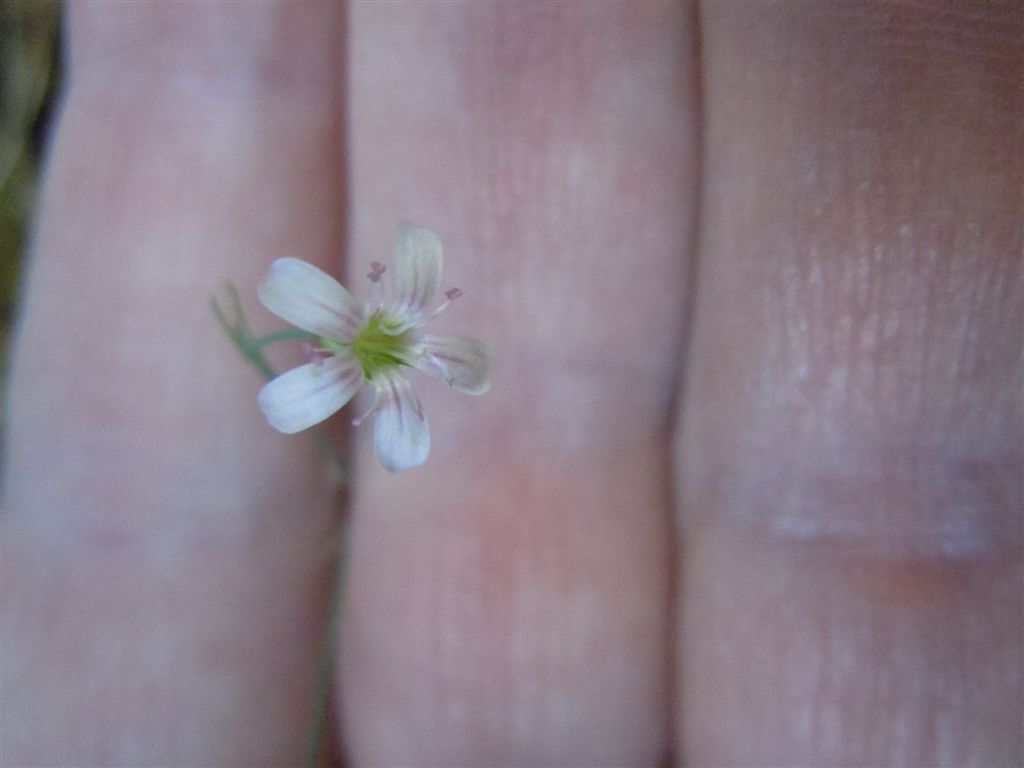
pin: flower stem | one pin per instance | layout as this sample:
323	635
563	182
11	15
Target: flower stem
238	330
325	667
286	335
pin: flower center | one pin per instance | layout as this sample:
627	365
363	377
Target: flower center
376	350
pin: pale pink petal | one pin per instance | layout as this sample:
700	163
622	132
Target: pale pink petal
310	299
463	362
307	395
401	435
417	275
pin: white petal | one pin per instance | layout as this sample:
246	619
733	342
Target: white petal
310	299
307	395
418	261
401	435
463	362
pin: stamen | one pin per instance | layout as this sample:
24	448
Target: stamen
358	420
376	295
452	294
313	354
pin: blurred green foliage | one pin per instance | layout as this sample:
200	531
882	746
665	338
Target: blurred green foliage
29	53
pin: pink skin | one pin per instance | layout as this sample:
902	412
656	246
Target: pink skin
824	566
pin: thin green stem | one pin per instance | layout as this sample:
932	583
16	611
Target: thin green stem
238	330
286	335
251	347
325	667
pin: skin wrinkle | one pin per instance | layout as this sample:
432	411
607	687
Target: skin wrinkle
864	661
152	592
509	621
565	156
890	322
854	391
93	481
517	144
261	63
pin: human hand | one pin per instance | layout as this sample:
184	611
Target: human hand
791	231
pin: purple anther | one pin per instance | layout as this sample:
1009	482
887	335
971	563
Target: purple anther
377	267
453	293
374	276
312	355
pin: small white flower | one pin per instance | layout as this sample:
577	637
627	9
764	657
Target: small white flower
372	343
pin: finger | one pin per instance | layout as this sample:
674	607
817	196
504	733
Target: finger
507	601
162	566
851	446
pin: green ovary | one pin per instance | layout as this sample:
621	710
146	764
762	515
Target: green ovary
374	349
